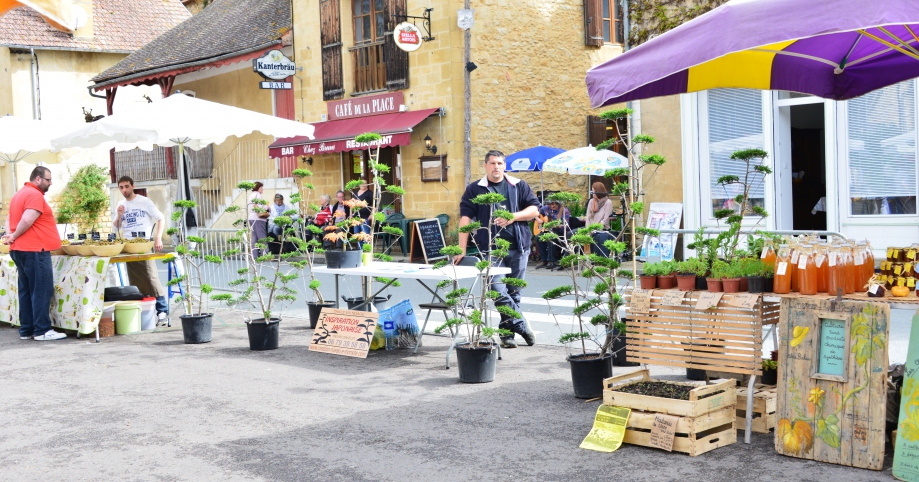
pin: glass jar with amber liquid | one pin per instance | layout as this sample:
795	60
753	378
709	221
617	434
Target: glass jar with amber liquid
807	271
782	281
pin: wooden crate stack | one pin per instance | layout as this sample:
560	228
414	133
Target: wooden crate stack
706	420
764	397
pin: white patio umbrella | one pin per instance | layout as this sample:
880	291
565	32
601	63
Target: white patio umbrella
585	161
20	137
178	120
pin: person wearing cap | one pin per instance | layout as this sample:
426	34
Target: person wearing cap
278	208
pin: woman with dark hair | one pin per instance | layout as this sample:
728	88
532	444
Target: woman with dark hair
600	207
258	221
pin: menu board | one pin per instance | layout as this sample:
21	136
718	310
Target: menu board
832	355
426	240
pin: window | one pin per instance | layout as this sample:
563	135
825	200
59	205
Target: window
369	21
735	121
612	24
379	65
882	151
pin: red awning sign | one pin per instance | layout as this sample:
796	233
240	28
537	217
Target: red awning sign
329	147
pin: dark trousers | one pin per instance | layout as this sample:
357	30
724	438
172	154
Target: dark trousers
36	287
516	260
548	251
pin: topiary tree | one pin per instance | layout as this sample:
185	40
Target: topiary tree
754	170
85	198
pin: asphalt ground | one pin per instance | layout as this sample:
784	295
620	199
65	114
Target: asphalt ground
149	407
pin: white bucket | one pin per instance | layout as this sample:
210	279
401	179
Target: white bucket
148	314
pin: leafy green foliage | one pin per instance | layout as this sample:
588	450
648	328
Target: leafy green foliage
367	138
85	199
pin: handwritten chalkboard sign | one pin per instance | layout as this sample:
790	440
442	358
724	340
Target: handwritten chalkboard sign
833	348
426	240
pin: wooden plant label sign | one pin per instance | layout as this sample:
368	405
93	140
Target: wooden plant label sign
640	301
673	298
906	450
707	300
608	430
344	332
827	409
663	429
744	300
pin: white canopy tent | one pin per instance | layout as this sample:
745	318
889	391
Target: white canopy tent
20	137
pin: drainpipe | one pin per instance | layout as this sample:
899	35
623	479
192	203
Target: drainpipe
34	61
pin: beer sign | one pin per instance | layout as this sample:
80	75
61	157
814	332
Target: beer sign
274	65
407	37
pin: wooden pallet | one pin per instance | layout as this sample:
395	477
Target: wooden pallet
764	397
706	420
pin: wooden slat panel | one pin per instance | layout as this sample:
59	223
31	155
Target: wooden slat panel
395	59
698	366
593	23
330	38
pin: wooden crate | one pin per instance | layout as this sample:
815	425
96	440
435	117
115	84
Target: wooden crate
764	401
704	424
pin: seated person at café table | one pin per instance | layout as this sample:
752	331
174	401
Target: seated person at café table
549	252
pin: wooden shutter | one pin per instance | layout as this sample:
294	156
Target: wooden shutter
596	130
284	102
396	59
330	38
593	22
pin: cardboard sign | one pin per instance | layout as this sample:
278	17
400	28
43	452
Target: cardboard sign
608	430
662	431
673	298
744	300
707	300
344	332
640	301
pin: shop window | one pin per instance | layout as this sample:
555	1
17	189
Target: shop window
882	151
735	121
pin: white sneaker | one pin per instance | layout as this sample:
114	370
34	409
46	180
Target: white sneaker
162	319
50	335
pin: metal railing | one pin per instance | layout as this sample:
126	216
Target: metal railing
143	165
248	161
369	68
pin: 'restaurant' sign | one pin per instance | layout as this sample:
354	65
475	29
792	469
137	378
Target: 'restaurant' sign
274	65
364	106
407	37
344	145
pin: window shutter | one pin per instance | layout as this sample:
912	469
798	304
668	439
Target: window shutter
395	58
596	130
735	121
593	22
284	102
882	143
330	38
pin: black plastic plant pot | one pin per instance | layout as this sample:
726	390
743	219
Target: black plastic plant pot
338	259
701	284
619	352
768	284
695	374
755	284
476	364
588	372
378	301
770	377
315	309
196	328
263	336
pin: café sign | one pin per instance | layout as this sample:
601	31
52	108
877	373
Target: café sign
274	65
364	106
340	145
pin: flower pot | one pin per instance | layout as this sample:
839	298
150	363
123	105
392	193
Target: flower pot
619	353
730	285
686	282
648	282
379	302
770	377
755	284
744	284
695	374
768	284
263	336
476	364
701	283
342	259
666	282
315	309
713	285
196	328
588	372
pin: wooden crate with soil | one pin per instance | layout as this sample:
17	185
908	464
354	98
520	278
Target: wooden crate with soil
764	400
706	412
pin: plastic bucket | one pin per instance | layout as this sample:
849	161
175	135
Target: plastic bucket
127	317
148	314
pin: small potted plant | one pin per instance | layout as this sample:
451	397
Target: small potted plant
770	372
648	276
665	278
730	277
768	271
720	270
687	271
754	269
196	322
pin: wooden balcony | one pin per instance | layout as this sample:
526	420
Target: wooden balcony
369	68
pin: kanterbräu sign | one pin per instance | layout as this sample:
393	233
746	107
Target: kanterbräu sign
364	106
329	147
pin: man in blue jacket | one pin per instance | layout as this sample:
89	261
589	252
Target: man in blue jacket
519	200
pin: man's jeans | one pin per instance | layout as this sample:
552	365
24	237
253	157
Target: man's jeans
36	286
509	296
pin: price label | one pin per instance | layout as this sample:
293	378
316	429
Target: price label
802	262
911	282
707	300
794	257
831	259
69	235
745	300
96	236
640	301
820	259
896	254
673	298
873	289
897	269
111	236
901	281
911	254
907	267
783	267
889	253
763	256
663	431
859	259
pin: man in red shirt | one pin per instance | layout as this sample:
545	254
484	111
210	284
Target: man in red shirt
33	237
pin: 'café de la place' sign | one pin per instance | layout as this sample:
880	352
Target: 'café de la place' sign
274	65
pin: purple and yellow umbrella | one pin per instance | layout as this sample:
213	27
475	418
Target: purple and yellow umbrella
836	49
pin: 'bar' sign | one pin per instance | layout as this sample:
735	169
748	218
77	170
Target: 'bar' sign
276	85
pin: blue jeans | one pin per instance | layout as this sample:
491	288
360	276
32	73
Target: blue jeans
548	251
516	260
36	287
363	228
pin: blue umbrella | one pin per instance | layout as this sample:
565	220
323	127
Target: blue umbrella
531	159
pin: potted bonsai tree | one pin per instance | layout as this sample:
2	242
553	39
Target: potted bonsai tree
477	356
196	322
264	280
770	372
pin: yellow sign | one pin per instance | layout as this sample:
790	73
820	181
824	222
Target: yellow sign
608	430
344	332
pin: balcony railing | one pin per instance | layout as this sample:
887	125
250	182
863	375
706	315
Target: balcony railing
151	165
369	68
